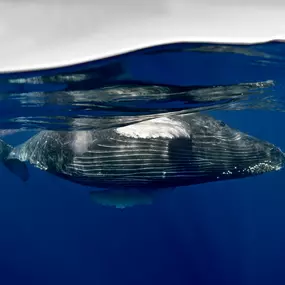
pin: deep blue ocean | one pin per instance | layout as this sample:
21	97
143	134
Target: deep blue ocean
230	232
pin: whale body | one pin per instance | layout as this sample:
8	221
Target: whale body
137	160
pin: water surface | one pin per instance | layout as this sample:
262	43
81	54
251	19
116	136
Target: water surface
183	77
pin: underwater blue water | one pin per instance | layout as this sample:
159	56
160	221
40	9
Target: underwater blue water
229	232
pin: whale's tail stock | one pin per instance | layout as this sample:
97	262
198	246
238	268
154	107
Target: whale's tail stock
16	166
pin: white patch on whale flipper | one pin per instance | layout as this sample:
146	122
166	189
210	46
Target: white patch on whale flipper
121	199
156	128
81	141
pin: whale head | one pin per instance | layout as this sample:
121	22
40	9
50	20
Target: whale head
220	152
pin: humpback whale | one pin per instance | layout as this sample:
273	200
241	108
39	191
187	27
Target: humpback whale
130	164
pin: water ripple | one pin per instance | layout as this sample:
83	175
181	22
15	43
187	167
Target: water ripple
182	77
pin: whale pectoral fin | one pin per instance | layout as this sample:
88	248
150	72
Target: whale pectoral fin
121	199
18	168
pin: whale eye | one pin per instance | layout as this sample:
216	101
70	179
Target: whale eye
222	124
